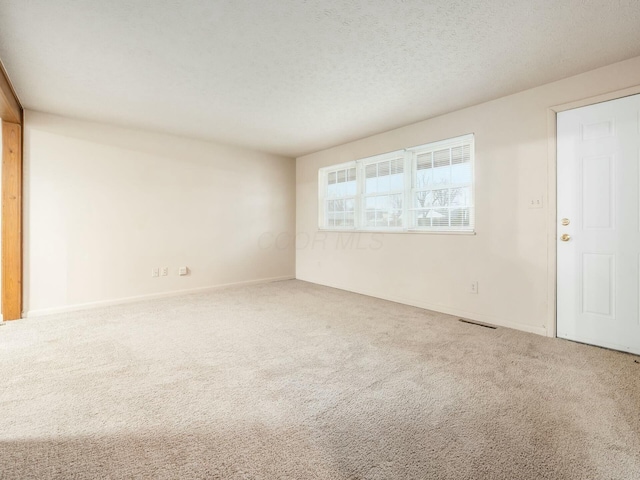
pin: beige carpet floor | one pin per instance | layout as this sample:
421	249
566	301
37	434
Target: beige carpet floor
291	380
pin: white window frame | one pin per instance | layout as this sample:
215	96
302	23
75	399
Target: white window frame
361	176
410	173
323	197
436	146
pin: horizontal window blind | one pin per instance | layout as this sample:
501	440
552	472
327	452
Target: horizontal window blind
384	192
442	186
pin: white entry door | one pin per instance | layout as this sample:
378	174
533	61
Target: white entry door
598	242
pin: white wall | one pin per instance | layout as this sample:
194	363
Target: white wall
104	205
508	256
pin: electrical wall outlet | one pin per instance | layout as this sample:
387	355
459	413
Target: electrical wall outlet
473	287
155	272
183	271
164	271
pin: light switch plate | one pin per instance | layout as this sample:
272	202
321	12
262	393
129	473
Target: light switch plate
535	202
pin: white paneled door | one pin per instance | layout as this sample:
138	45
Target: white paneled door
598	240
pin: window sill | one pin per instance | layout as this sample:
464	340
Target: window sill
397	232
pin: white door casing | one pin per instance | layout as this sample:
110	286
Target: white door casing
598	182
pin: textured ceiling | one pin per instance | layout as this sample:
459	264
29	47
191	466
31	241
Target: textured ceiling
295	76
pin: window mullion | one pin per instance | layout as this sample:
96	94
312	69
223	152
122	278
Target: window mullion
360	173
322	196
408	183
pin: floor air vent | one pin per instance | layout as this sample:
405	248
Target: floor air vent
464	320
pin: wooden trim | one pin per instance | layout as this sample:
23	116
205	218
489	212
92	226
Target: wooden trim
10	108
11	221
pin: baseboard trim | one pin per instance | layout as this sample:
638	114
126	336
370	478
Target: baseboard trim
438	308
137	298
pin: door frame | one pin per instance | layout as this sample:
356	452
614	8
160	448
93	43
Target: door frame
552	185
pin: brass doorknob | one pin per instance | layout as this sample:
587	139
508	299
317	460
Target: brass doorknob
565	237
